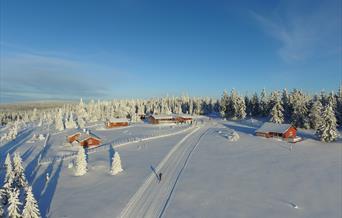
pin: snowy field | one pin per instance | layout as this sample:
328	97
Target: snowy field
212	169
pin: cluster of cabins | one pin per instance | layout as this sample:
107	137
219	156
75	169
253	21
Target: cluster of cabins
286	132
87	139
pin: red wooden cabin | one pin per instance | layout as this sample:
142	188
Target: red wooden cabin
269	130
117	122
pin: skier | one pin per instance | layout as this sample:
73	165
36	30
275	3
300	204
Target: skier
160	176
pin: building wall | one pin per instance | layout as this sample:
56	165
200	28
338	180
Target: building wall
290	133
90	142
112	125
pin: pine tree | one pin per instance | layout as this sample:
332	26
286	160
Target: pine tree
31	209
264	103
116	164
9	176
3	202
18	169
255	105
59	121
277	110
327	131
315	115
81	163
299	109
223	104
240	108
13	210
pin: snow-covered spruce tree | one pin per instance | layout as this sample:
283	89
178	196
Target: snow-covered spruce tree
315	115
19	175
31	209
81	162
9	176
264	109
286	104
338	111
299	115
240	108
59	120
224	104
277	110
116	164
327	131
255	105
70	122
3	202
13	210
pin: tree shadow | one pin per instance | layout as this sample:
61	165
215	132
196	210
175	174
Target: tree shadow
11	146
244	129
50	189
28	153
111	155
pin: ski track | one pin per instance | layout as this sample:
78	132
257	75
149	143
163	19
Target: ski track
151	199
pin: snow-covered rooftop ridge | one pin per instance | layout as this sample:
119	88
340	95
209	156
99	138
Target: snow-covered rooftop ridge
118	120
163	116
85	136
274	127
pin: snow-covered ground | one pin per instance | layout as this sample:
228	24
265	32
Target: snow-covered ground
213	169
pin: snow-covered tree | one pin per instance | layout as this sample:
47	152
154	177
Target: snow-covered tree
327	131
255	105
18	169
31	209
116	164
3	201
264	109
70	122
81	162
59	120
224	103
240	108
299	115
277	109
9	176
315	115
13	210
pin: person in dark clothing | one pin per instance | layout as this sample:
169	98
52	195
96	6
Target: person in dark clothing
160	176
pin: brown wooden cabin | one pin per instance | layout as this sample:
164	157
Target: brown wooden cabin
183	119
90	141
117	122
270	130
85	139
158	119
73	137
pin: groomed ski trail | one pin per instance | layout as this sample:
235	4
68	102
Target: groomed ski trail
152	197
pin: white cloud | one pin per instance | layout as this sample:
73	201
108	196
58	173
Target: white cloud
305	31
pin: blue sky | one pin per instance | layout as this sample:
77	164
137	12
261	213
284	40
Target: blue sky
137	49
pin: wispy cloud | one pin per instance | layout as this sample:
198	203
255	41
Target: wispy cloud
26	76
304	29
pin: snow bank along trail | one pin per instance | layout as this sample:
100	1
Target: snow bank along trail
152	197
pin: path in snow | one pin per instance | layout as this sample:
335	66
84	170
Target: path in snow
152	198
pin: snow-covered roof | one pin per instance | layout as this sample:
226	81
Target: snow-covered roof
161	117
85	136
186	116
118	120
274	127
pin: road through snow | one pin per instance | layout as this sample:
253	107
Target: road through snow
152	197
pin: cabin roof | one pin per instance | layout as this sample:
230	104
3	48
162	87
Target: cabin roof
85	136
118	120
161	117
273	127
